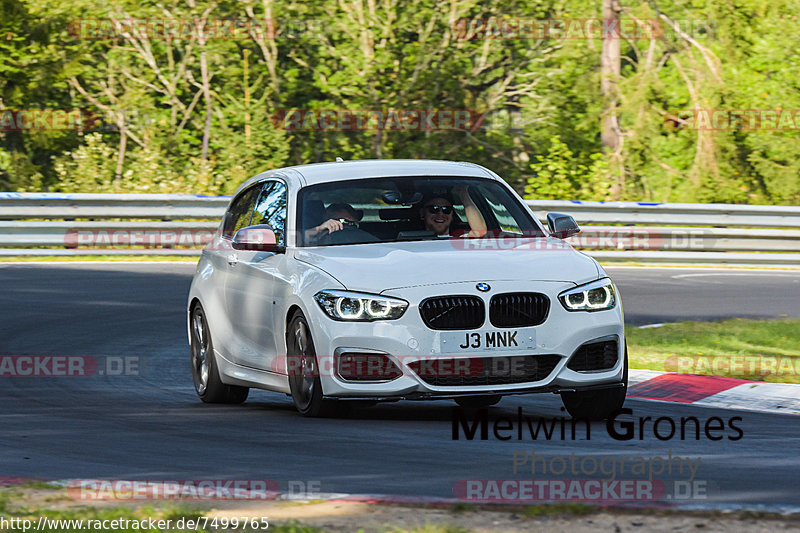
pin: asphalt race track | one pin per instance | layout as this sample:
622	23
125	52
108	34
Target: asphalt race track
653	295
150	425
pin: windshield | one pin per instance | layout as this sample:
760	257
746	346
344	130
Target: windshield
408	209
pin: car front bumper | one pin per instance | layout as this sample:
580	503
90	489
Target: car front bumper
408	340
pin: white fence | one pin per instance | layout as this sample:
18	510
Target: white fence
633	232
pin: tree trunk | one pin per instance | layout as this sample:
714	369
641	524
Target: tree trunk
610	70
206	81
123	144
246	100
610	133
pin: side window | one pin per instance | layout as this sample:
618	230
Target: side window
271	209
499	210
238	216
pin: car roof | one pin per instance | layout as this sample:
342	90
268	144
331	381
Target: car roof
372	168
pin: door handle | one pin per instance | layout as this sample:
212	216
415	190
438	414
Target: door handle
233	260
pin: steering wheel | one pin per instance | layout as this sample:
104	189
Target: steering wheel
347	235
324	237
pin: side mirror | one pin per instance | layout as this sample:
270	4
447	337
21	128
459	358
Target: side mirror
561	225
259	238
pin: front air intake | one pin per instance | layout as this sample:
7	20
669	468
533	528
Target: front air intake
595	355
453	312
479	371
518	309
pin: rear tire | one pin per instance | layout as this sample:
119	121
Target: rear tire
303	368
478	402
205	373
597	404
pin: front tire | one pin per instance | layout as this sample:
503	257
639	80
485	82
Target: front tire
205	373
303	368
597	404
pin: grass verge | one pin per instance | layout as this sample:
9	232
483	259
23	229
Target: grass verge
30	501
758	350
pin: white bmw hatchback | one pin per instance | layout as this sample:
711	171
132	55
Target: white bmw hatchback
400	279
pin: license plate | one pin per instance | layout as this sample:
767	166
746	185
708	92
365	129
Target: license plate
487	340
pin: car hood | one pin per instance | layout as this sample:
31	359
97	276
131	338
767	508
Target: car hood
384	266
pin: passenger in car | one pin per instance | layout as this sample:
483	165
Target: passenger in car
437	214
338	216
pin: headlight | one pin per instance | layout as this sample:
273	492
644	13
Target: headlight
595	296
345	305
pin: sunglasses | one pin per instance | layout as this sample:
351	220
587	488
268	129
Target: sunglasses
445	209
348	222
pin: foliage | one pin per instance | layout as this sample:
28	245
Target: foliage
196	112
560	175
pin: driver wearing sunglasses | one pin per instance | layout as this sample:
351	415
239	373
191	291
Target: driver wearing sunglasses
437	214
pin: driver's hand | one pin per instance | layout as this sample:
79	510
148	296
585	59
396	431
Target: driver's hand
331	225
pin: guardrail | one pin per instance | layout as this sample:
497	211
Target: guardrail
638	232
154	206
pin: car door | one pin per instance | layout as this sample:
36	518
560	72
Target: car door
252	287
220	257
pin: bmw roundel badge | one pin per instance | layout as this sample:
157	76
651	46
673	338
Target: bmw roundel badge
483	287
